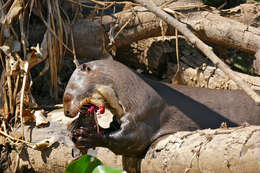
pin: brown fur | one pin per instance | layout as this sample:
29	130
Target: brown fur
153	109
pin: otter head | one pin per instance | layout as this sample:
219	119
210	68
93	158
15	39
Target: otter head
76	90
90	85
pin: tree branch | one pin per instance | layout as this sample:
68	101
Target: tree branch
201	45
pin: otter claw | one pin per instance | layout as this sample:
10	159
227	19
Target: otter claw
83	130
89	140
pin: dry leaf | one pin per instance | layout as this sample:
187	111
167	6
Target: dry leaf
45	143
105	119
2	140
35	57
28	116
13	12
5	49
37	49
40	119
10	46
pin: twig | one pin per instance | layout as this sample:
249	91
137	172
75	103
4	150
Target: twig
112	37
5	5
75	61
16	87
177	50
17	162
16	117
6	108
26	66
53	32
177	76
21	21
9	84
52	50
129	20
1	40
201	45
15	94
60	32
16	139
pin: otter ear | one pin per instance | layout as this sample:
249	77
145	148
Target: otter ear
85	68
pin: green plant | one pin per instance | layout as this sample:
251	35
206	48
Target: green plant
85	164
90	164
107	169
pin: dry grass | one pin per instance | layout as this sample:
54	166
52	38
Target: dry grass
18	58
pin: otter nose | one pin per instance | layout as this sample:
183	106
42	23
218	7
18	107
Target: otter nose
66	113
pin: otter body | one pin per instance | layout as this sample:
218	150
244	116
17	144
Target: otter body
151	109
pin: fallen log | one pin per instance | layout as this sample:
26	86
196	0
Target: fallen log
223	31
156	56
214	78
220	150
137	23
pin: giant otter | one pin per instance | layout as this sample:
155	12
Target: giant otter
146	109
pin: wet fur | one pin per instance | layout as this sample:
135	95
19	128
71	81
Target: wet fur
154	109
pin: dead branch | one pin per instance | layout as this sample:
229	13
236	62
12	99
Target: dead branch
26	66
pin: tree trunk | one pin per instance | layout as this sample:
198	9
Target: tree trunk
138	23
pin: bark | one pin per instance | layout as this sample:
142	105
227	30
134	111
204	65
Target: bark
214	78
226	32
61	151
138	23
157	56
222	150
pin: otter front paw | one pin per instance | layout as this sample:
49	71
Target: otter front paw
84	139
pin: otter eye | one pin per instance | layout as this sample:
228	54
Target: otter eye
67	97
85	68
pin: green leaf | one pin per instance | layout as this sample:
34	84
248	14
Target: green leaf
107	169
85	164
